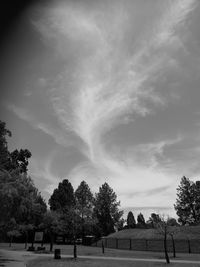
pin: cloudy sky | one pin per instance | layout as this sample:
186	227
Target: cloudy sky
106	91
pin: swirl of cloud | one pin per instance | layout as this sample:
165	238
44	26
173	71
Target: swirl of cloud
109	76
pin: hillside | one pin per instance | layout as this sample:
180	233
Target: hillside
183	232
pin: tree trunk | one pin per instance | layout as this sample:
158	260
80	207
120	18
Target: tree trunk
51	242
189	248
174	249
75	250
165	246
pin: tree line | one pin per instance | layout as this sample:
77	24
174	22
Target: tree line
72	212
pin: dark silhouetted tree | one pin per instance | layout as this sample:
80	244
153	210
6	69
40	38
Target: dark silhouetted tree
4	153
106	209
10	161
62	198
84	205
188	202
154	219
165	229
130	220
63	202
140	221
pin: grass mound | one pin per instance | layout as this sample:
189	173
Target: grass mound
182	232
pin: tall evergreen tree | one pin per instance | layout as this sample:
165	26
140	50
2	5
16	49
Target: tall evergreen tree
63	202
84	205
140	220
131	220
62	198
106	209
187	204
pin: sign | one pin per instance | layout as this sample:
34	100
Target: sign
39	236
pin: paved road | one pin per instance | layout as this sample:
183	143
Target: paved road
19	258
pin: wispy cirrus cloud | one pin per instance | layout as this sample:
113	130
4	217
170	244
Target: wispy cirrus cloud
26	115
109	78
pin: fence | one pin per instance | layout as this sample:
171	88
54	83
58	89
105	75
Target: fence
156	245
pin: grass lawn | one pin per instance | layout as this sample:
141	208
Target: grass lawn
183	232
48	260
98	263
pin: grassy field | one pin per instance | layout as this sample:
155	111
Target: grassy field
183	232
47	259
98	263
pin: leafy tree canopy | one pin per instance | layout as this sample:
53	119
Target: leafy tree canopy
20	199
84	199
10	161
187	204
62	198
107	209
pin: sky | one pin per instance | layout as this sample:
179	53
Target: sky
106	91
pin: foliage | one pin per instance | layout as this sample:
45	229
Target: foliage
20	200
52	225
131	220
154	219
84	206
140	220
187	204
4	153
106	209
19	160
16	160
62	199
164	228
172	222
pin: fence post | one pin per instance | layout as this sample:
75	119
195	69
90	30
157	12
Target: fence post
116	242
130	247
189	248
102	244
146	243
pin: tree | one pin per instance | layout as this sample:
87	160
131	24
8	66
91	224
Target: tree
12	230
84	205
4	153
16	160
51	225
187	204
162	228
19	160
165	229
106	209
140	220
63	202
25	229
130	220
172	222
154	219
62	198
20	202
